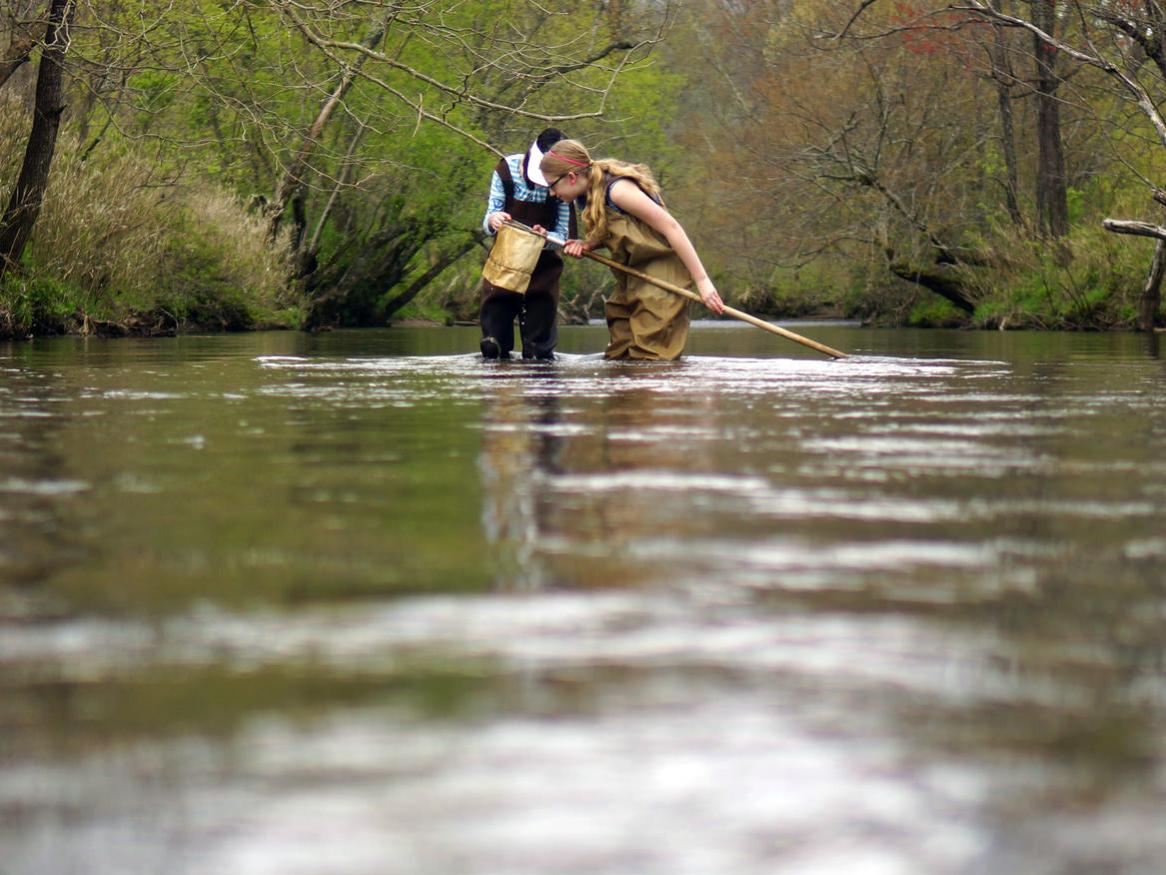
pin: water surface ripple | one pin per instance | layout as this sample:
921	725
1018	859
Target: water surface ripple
362	603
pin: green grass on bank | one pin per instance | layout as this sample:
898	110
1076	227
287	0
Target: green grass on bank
1090	280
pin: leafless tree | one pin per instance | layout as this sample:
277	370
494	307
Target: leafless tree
846	148
1126	42
1117	39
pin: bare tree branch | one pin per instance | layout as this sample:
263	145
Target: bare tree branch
866	4
459	93
1143	98
293	175
1137	229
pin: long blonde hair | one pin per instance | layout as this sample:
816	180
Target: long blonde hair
570	156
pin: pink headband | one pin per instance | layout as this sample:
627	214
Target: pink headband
569	160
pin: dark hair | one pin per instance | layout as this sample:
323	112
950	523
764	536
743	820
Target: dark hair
548	138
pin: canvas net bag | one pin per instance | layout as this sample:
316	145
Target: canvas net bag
514	256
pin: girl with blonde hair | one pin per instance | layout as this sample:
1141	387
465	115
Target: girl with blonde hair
624	212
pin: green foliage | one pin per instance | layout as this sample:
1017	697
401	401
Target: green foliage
154	89
34	305
1077	204
1090	280
813	290
934	312
422	311
200	287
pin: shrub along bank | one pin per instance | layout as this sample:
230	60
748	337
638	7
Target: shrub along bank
120	248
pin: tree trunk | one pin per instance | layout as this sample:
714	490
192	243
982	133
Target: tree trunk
1052	200
1003	76
938	280
352	297
1151	299
28	195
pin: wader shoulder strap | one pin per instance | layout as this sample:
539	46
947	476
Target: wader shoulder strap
503	171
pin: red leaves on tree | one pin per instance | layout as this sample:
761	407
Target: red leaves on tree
926	32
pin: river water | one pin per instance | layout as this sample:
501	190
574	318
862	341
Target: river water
360	603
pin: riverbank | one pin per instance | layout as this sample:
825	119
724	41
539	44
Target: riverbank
25	317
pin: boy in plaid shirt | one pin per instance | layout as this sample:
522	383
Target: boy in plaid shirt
518	191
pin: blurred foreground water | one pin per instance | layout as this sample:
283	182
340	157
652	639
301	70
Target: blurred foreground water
361	603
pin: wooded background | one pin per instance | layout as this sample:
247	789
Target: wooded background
241	163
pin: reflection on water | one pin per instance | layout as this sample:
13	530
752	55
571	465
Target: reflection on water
363	603
523	442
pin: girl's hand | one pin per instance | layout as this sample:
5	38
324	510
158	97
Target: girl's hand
496	220
710	296
576	248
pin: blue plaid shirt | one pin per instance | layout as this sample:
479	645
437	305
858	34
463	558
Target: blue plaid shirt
523	192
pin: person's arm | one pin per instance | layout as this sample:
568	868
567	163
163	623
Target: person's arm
560	227
630	198
495	206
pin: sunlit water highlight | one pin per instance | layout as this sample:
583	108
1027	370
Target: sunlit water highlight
362	603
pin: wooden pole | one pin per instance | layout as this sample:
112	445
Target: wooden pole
730	311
